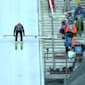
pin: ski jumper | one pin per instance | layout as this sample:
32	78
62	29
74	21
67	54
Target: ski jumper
18	30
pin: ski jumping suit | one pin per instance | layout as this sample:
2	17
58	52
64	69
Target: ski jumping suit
18	29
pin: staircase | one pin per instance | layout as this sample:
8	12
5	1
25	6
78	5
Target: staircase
78	76
82	3
50	27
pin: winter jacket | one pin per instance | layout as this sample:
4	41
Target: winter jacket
76	12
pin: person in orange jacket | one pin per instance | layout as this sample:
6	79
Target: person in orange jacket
71	28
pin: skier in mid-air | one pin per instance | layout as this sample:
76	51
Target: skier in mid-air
19	29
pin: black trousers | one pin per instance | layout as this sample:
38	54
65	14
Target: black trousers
66	49
21	37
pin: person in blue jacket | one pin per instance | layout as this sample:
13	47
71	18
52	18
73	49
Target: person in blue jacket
76	13
77	9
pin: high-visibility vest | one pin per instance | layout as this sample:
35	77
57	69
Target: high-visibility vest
70	27
74	30
67	21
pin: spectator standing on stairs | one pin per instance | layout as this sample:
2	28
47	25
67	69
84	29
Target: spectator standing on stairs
76	12
77	9
70	15
62	29
79	22
70	32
